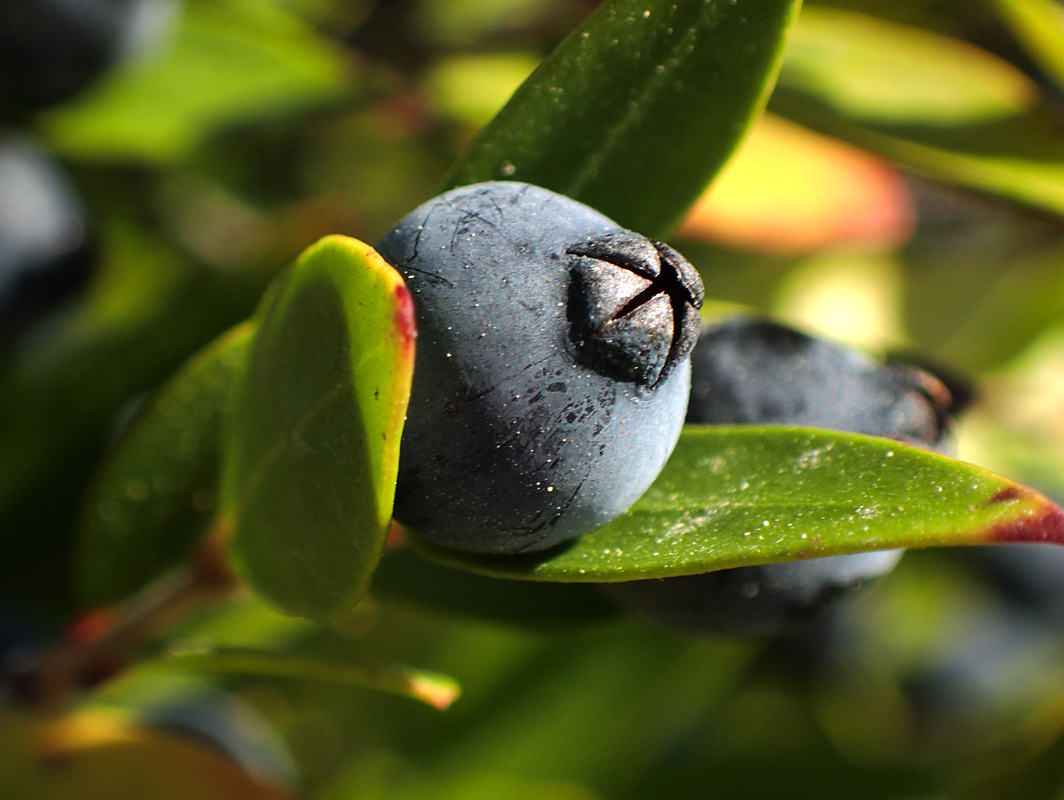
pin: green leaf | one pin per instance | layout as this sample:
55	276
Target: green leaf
231	61
472	88
404	577
154	497
932	104
871	69
433	688
317	413
734	496
1039	25
996	307
639	107
149	309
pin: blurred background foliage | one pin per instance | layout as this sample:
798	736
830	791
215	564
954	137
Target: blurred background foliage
905	192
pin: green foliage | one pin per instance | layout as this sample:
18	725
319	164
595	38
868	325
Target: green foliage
155	497
406	578
229	62
930	103
436	690
736	496
151	308
685	81
312	443
1038	24
255	127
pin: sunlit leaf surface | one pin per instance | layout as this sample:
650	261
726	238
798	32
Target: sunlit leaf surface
735	496
1039	25
639	107
933	104
313	439
438	691
230	61
789	190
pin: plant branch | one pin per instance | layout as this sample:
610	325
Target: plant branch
100	646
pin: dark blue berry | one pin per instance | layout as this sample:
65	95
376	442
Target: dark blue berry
552	375
46	251
753	372
758	601
52	49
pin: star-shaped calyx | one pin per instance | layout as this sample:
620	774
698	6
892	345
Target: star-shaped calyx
633	307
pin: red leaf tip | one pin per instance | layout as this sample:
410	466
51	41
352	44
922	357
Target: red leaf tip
1041	521
1006	494
405	322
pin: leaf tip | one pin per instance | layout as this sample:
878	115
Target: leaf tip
1039	521
436	692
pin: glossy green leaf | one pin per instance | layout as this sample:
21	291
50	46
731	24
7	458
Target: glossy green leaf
1039	25
317	413
935	105
437	690
154	498
639	107
730	497
404	577
230	61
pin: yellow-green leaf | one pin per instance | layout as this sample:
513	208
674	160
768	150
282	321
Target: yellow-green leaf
313	437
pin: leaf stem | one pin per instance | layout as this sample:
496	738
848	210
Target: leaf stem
99	646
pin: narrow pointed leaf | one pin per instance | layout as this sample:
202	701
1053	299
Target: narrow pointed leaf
932	104
313	437
639	107
731	497
433	688
1039	25
154	498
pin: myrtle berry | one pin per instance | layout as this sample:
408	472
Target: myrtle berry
752	372
748	371
52	49
754	602
1029	577
552	368
46	250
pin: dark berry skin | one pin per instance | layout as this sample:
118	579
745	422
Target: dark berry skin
1029	577
753	372
46	251
552	377
52	49
755	602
